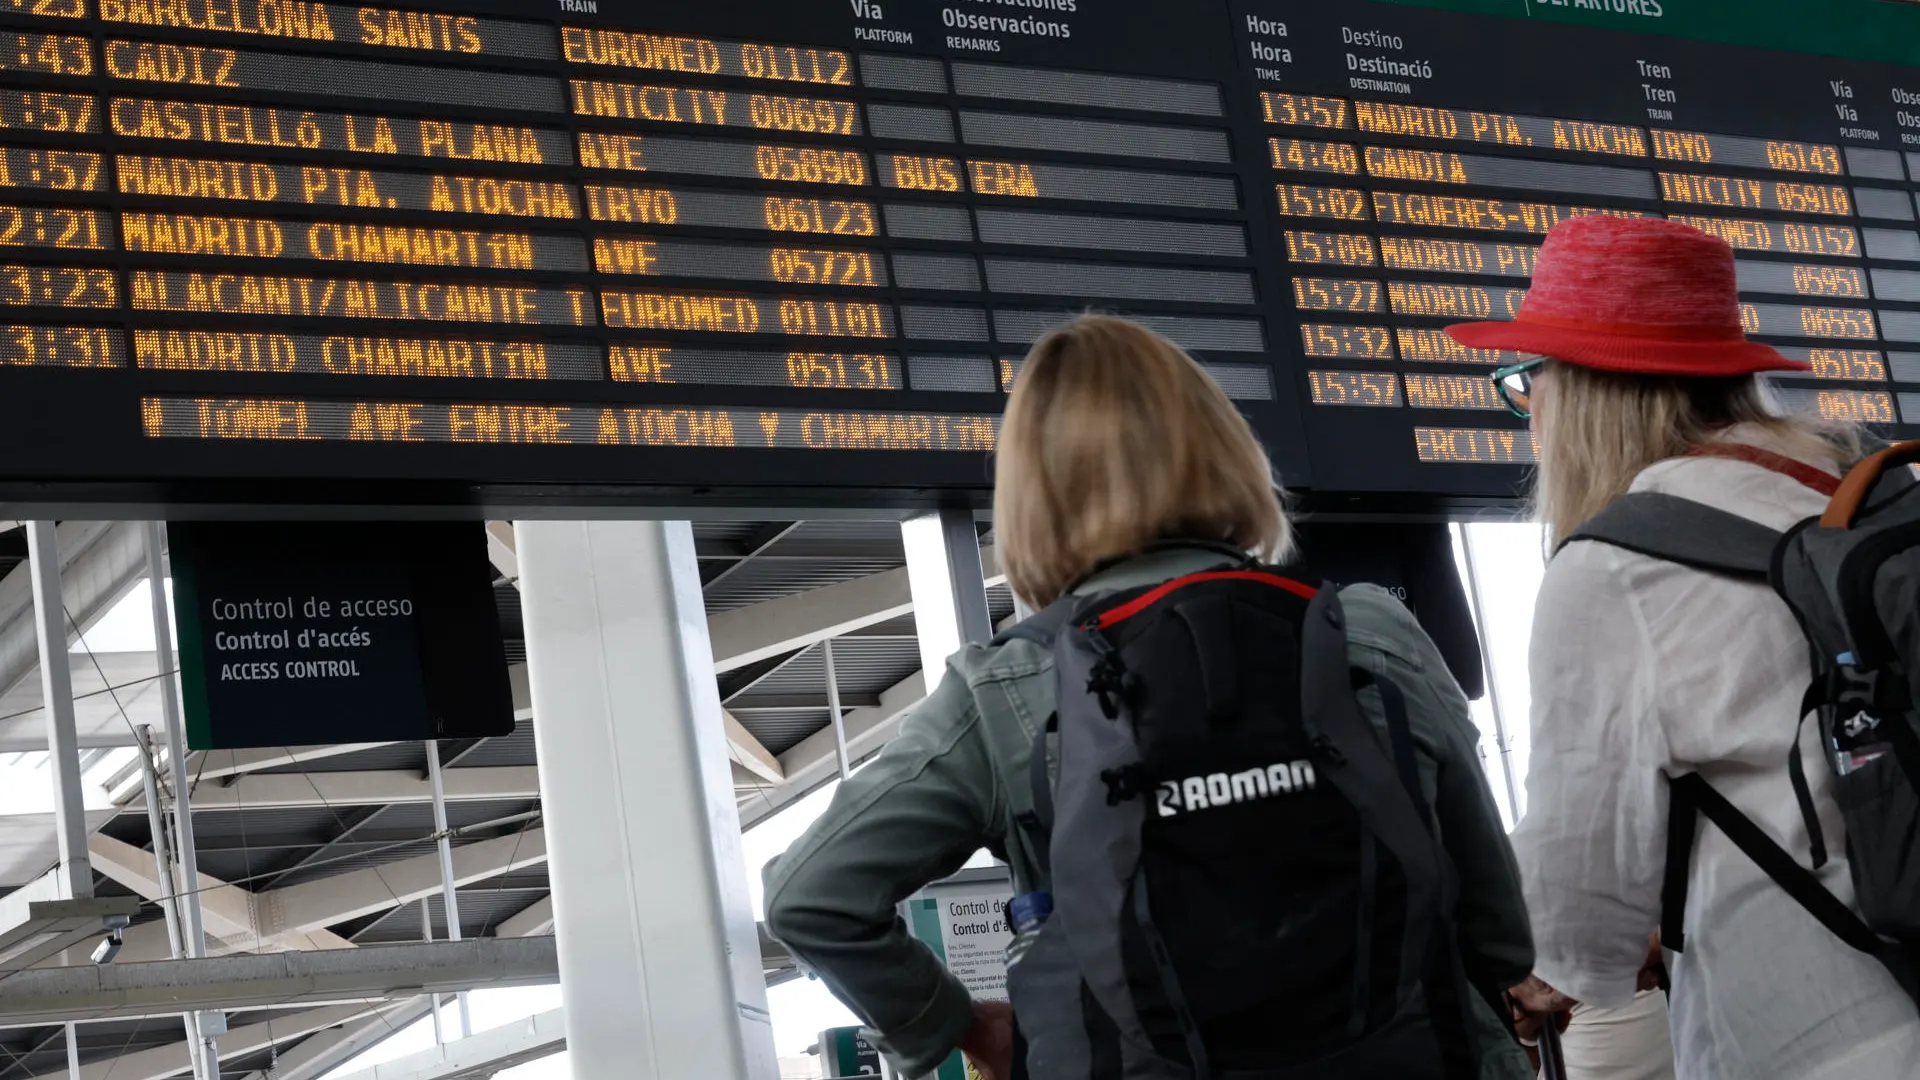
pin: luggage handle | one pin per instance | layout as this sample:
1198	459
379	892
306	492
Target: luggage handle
1861	480
1553	1060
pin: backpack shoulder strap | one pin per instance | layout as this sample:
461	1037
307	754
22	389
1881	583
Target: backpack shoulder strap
1693	534
1691	797
1042	626
1685	532
1393	704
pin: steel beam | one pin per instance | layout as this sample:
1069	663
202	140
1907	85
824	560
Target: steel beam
500	550
816	759
449	891
351	823
755	547
171	1060
374	787
275	980
479	1057
324	1051
204	1028
315	905
535	919
100	561
56	690
169	900
38	922
230	912
747	752
774	627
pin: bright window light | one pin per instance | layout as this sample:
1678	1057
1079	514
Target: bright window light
1509	559
128	625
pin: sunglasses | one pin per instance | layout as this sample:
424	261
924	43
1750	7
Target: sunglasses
1515	386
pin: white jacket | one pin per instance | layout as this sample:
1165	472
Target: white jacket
1642	670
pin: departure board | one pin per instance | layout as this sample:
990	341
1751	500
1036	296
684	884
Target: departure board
572	251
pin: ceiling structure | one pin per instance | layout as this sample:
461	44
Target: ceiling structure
332	848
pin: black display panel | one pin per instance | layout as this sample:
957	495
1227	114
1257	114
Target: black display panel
262	251
297	633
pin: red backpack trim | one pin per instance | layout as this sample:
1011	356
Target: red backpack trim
1141	603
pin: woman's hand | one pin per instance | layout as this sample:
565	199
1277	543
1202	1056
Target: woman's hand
989	1042
1526	1025
1531	1001
1654	970
1536	996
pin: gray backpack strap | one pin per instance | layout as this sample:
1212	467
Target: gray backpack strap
1042	628
1367	774
1686	532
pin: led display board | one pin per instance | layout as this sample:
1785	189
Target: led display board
596	249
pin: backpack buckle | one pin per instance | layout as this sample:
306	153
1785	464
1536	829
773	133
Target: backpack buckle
1125	784
1111	682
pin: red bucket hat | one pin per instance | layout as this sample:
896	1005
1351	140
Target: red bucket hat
1637	295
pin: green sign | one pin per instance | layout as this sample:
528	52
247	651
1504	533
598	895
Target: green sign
963	920
845	1051
1883	30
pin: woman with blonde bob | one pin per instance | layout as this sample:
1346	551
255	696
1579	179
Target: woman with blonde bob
1120	465
1639	378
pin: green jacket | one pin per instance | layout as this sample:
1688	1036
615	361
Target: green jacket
955	780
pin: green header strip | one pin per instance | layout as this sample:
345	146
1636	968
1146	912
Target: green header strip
1887	31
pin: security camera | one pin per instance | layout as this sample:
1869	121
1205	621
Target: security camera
109	948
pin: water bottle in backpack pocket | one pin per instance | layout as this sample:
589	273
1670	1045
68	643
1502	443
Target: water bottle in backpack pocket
1044	987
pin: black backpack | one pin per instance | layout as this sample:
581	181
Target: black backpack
1852	580
1245	880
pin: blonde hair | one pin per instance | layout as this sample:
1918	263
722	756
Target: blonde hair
1114	439
1599	429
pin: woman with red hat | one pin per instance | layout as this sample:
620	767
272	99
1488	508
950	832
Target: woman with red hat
1637	376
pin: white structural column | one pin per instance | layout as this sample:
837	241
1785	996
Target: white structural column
56	689
659	957
163	865
833	708
426	934
63	743
207	1057
449	891
162	855
949	587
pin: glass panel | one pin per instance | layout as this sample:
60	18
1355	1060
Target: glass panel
1508	562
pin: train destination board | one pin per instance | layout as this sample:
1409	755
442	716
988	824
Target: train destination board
582	251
